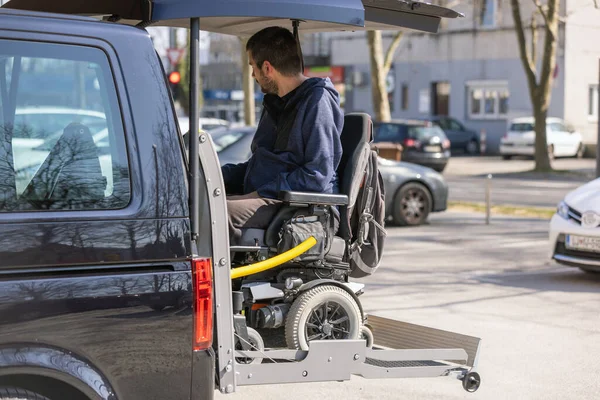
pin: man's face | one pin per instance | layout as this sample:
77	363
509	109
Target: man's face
263	76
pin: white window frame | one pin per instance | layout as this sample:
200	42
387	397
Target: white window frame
486	87
593	116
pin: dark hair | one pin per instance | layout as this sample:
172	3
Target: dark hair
278	46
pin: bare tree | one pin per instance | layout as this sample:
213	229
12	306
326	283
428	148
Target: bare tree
380	67
540	84
248	84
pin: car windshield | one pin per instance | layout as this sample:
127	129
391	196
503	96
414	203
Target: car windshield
225	138
521	127
394	132
425	132
388	132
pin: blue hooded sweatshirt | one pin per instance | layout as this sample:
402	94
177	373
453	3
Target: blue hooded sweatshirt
296	145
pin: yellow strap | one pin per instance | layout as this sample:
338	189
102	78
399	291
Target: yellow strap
274	261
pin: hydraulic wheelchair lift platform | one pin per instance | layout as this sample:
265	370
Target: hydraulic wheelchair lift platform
400	350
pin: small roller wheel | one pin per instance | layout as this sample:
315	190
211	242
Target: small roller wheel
256	344
324	312
367	334
471	382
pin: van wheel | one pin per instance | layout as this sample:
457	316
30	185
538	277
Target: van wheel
412	205
256	344
324	312
12	393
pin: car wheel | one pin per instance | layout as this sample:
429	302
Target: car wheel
506	157
472	148
412	205
580	151
13	393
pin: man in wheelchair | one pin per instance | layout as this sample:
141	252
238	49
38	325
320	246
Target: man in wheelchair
297	143
312	179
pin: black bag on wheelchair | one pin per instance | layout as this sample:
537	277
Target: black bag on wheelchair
302	226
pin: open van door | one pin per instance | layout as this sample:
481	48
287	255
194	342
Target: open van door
245	17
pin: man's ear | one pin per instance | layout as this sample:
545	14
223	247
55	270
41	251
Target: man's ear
267	68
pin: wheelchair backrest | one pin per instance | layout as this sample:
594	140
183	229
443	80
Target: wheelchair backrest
356	136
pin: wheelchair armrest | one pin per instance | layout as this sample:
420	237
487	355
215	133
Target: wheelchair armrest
308	198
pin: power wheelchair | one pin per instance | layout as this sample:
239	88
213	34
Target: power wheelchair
309	295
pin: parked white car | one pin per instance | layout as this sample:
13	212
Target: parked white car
575	228
563	140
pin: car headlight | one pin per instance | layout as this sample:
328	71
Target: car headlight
563	210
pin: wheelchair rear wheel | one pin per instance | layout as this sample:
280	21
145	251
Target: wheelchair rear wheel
324	312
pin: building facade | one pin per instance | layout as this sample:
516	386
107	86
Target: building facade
471	69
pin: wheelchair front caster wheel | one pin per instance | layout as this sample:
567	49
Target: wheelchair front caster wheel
256	344
324	312
471	382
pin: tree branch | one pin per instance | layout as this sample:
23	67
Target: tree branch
549	59
540	8
527	63
389	55
534	39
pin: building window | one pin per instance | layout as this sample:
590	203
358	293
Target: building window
488	13
593	102
487	99
404	99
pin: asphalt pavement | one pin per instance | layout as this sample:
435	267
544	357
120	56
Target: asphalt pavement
511	183
538	321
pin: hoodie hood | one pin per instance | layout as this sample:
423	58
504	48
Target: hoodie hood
275	105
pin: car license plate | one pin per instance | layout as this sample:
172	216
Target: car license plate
432	148
584	243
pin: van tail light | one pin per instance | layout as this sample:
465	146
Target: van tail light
203	300
411	143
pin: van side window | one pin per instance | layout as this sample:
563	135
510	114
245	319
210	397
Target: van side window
62	143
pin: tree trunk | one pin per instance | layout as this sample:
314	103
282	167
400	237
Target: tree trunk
542	151
540	90
381	105
248	84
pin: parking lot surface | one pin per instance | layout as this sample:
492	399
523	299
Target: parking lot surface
539	322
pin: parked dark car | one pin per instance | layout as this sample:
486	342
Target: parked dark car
412	191
461	138
423	143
